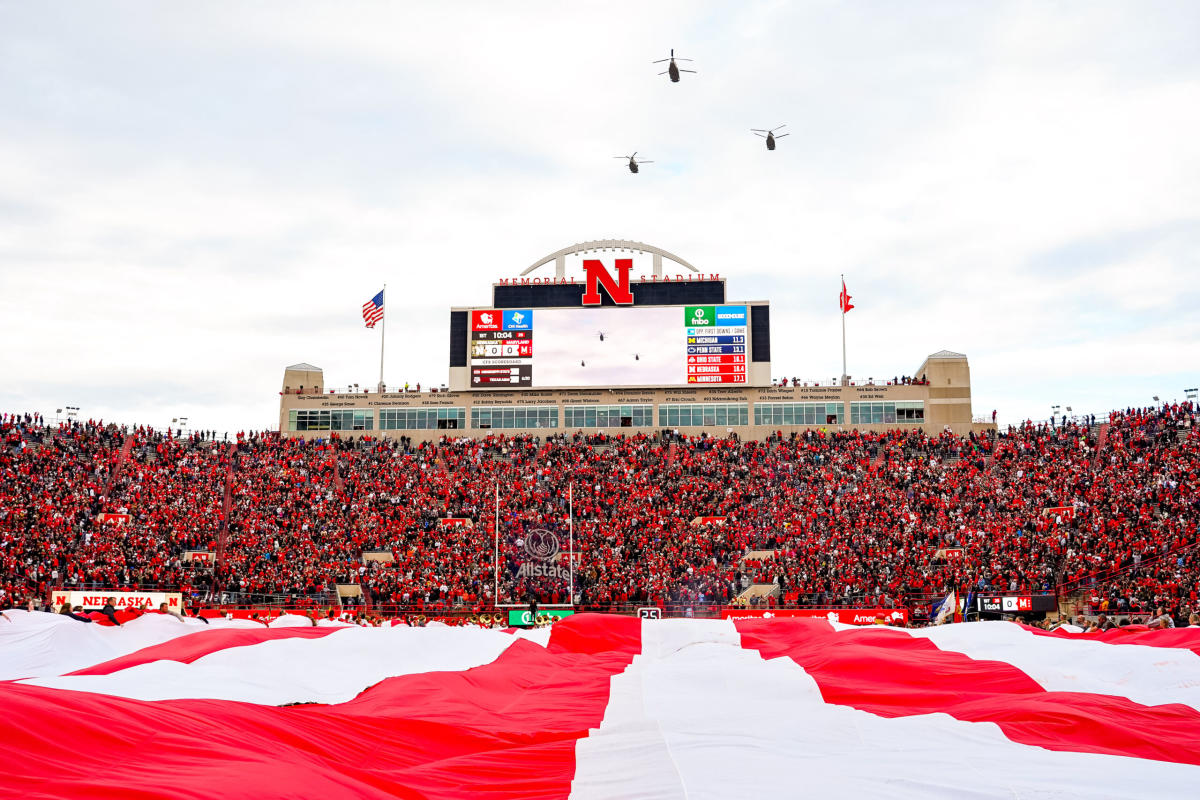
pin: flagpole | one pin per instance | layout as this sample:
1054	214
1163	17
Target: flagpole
571	535
843	305
382	336
496	551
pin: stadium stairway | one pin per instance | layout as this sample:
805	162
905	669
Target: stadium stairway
337	475
760	590
122	459
1101	432
227	507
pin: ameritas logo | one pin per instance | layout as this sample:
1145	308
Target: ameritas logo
697	316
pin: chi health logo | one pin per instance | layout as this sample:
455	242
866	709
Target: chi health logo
518	317
698	315
485	318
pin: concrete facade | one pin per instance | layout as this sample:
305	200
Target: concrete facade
946	402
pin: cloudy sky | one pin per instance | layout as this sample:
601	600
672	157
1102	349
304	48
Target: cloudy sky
195	195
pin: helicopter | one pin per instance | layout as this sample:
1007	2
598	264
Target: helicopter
673	70
633	162
769	135
601	334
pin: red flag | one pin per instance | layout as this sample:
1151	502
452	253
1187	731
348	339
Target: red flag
844	299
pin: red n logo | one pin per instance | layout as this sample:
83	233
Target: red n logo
596	275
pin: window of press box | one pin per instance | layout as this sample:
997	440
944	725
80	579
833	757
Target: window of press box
416	419
903	411
514	417
632	416
312	419
675	415
799	413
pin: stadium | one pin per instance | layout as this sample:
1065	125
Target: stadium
605	555
618	345
610	522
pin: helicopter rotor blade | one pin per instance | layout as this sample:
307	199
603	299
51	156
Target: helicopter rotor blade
781	135
777	127
681	58
660	61
645	162
688	70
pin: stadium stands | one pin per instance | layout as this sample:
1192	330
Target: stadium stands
851	518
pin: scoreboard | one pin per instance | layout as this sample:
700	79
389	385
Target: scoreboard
501	348
716	343
633	346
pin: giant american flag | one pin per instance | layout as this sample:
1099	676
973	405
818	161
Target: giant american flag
373	310
598	706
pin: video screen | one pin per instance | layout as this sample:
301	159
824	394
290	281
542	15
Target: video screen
570	347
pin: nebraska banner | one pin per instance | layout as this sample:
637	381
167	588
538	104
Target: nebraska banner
848	616
456	522
708	521
948	553
122	600
201	556
112	519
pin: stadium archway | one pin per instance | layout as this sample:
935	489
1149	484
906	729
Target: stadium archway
559	257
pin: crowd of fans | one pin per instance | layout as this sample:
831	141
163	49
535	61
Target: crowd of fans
829	518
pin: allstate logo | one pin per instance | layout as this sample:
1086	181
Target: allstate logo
541	544
698	315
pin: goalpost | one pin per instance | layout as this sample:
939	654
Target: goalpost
543	553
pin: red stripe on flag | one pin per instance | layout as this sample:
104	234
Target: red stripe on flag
892	674
506	730
1174	638
187	649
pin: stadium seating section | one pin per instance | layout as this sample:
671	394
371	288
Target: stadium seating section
850	518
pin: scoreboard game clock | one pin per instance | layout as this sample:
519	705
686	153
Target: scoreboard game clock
501	347
716	343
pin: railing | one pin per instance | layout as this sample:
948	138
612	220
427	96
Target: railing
1091	581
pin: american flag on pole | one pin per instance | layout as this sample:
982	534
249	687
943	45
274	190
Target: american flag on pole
373	310
596	706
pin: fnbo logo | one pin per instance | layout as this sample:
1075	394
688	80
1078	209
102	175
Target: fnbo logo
698	315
